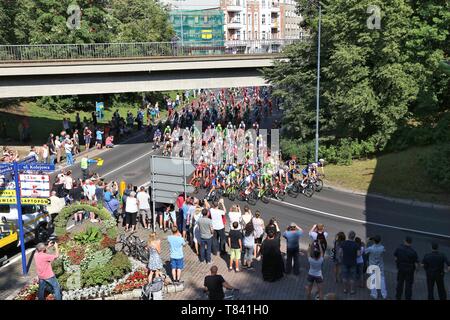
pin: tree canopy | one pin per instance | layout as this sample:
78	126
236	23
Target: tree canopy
44	21
373	81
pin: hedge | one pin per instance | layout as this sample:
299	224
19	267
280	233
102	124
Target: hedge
67	212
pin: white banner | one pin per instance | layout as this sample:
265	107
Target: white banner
35	185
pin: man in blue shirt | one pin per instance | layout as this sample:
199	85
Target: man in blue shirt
176	243
375	252
292	236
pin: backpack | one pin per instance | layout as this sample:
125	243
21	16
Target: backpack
322	241
150	288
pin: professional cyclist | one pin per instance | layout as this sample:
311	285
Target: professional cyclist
156	138
217	182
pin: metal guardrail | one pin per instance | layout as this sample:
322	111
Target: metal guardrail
105	51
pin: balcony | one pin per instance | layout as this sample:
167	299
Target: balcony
234	8
234	24
275	7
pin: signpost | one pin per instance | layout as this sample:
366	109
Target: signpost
35	189
168	179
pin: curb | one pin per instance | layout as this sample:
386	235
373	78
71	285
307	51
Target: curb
411	202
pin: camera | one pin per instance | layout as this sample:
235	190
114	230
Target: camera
51	239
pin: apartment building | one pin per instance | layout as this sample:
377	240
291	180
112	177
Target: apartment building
292	29
260	19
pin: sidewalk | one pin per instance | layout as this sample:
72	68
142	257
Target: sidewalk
252	286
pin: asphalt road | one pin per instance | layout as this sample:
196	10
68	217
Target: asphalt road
339	211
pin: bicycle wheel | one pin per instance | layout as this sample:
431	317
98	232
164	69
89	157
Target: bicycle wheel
252	198
309	190
241	195
265	197
318	185
292	191
232	194
280	195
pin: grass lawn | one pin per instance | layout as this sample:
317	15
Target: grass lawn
396	174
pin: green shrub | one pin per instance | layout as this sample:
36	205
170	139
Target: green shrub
115	269
67	212
437	165
120	264
99	258
91	235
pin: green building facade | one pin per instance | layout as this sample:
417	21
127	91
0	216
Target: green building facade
198	27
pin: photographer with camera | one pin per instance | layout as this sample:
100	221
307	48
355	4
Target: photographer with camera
319	237
292	235
44	270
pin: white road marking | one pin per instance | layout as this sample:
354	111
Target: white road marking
362	221
16	258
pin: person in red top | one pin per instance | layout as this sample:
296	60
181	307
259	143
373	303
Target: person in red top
44	270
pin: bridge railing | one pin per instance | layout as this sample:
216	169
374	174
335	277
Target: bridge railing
107	51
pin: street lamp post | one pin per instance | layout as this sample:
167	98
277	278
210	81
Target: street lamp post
318	85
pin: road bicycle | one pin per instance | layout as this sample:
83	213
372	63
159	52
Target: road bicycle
231	191
265	194
318	182
134	247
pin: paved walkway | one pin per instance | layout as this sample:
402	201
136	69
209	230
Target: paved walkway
252	286
250	283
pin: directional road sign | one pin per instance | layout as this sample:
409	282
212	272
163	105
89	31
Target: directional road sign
168	178
29	159
177	188
171	166
36	167
6	168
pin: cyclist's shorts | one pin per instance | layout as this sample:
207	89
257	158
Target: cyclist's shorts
214	183
304	172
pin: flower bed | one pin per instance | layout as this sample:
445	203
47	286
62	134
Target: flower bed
30	292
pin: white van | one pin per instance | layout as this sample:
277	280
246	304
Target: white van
36	225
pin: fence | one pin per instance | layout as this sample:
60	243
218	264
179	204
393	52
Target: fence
49	52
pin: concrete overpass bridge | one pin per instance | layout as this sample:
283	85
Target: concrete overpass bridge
48	70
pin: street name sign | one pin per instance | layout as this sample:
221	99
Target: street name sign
36	167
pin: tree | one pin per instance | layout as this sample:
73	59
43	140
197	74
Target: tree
370	78
7	12
141	21
44	22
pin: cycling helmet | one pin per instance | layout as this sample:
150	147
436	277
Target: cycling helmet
231	168
222	173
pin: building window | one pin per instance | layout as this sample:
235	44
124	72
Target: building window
249	19
243	35
263	20
196	19
264	35
238	35
205	19
263	4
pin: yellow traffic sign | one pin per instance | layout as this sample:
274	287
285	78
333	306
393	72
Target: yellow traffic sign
99	162
38	201
5	200
7	193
